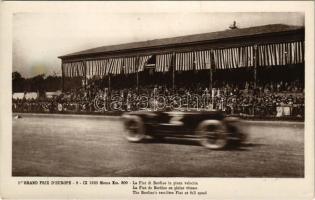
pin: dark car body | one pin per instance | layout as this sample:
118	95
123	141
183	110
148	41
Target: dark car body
211	127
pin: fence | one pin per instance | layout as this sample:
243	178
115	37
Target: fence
118	104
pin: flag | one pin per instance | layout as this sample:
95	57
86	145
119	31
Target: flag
129	65
184	61
202	59
293	53
142	62
281	54
117	65
215	59
163	62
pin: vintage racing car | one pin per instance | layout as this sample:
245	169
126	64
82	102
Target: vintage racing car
212	128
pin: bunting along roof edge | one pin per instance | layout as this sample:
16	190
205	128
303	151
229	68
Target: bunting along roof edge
171	52
242	32
271	57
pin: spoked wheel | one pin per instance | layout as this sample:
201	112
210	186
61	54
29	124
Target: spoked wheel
134	129
213	135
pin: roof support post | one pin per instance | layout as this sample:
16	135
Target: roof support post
62	76
137	77
85	70
109	83
173	78
173	72
137	73
210	79
255	64
210	72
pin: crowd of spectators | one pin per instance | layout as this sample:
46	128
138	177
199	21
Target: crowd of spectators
266	99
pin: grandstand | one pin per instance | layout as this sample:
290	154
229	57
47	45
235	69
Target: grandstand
251	72
249	54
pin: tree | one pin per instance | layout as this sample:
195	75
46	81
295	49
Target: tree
53	83
18	82
16	76
36	83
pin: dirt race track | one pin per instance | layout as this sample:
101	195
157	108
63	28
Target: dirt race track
94	146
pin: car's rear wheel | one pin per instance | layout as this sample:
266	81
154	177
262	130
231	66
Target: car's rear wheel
213	134
134	129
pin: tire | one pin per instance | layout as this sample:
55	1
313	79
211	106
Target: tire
213	134
134	129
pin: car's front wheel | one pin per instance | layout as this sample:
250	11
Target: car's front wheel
134	129
213	134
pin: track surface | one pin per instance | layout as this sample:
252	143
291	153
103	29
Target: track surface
94	146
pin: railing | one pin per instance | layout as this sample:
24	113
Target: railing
118	105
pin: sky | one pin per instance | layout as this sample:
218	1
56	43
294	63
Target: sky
39	38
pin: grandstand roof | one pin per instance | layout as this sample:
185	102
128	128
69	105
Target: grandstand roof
213	36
